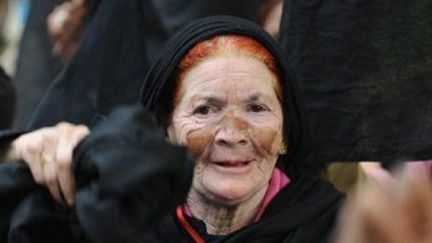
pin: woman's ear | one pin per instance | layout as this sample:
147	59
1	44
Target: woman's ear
283	148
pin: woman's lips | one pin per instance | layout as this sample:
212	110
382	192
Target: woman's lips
232	163
234	166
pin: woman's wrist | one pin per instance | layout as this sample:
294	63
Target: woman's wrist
8	149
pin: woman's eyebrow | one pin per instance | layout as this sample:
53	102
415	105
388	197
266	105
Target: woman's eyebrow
256	96
259	97
207	98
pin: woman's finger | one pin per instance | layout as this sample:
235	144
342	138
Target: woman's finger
47	160
65	176
65	147
36	168
50	174
32	157
67	185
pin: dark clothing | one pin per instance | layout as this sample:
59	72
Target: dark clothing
121	40
364	67
304	211
107	68
36	66
7	100
6	137
127	176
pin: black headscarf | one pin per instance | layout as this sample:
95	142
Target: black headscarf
157	90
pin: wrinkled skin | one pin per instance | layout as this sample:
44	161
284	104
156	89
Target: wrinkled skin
231	119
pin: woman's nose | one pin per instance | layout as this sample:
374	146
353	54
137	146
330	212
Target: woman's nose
232	131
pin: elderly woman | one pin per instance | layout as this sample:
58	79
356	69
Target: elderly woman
222	89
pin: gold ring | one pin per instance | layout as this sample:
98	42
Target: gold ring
42	159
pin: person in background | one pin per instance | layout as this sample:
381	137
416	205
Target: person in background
270	16
2	20
51	32
65	26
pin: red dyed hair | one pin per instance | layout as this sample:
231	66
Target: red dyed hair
226	44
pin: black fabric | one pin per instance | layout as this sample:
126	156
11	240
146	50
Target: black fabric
127	176
364	67
247	9
156	92
140	177
201	229
121	40
106	70
7	100
304	211
36	67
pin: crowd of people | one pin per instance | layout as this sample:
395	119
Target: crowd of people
213	121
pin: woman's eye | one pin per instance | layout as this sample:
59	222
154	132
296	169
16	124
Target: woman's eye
256	108
202	110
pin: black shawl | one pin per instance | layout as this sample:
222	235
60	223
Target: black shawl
303	212
365	69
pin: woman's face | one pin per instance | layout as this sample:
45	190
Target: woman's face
230	118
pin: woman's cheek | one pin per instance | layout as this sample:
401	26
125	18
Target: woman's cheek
198	140
183	126
267	137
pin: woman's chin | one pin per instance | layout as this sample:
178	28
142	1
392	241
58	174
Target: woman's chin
229	191
227	186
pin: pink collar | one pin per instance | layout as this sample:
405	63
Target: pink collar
277	182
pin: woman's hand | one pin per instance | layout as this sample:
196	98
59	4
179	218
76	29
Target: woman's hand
48	153
397	211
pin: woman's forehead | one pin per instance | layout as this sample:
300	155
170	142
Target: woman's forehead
228	72
218	97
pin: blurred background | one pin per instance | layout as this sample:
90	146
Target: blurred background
39	37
